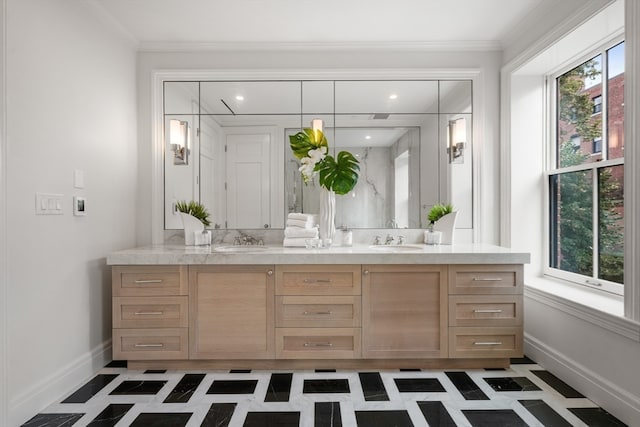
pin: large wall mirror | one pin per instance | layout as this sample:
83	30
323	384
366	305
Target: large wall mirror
227	146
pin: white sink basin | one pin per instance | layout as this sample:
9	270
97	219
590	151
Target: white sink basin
397	248
240	249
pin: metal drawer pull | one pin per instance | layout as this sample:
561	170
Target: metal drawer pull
149	281
488	343
318	344
487	279
149	345
317	280
149	313
488	311
311	313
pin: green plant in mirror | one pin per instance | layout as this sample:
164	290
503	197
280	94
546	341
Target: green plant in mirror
438	211
195	209
339	174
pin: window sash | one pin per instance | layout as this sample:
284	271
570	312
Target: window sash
553	170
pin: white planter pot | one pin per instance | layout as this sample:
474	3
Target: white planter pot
191	225
446	225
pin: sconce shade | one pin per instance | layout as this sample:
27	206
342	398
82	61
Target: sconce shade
178	138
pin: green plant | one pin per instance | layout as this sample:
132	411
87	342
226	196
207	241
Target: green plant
438	211
195	209
339	174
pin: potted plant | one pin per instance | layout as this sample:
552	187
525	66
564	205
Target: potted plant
442	219
337	175
195	218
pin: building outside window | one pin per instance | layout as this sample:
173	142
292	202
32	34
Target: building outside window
586	178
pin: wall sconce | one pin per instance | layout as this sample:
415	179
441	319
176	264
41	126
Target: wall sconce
317	124
179	140
456	139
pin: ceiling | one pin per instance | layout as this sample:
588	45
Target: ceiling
154	22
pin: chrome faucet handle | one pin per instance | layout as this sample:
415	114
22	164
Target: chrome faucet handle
388	240
376	240
400	240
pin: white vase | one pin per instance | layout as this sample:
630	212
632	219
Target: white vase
191	225
446	225
326	221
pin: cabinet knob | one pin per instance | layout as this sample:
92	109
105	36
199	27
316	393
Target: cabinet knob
270	273
365	272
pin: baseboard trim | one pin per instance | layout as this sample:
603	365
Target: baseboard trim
619	402
58	384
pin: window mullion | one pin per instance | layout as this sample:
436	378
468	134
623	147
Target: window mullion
595	212
604	149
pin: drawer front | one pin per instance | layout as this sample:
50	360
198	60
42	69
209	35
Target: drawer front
318	311
150	312
151	344
318	343
485	310
149	280
318	280
485	279
487	342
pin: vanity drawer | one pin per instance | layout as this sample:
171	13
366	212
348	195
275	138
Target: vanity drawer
318	311
485	279
149	280
150	312
318	343
151	344
485	310
318	280
487	342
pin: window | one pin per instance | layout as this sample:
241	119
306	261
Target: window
586	180
597	104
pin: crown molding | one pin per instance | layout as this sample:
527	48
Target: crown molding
403	46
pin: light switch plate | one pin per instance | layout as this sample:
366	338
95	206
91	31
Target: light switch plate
49	204
78	178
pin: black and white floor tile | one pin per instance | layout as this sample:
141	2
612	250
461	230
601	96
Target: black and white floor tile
523	395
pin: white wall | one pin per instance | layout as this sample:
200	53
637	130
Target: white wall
486	139
70	106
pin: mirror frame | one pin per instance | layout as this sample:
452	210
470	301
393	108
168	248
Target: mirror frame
159	235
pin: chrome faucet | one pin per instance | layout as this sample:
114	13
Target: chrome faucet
388	240
400	240
376	240
248	240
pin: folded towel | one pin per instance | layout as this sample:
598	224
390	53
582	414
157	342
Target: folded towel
302	216
300	224
301	232
294	242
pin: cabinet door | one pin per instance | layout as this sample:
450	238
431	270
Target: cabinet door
404	311
232	312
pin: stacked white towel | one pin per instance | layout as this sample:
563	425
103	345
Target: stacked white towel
300	227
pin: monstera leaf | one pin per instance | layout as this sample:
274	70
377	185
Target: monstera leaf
339	175
307	139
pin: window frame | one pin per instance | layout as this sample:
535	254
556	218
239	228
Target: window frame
552	169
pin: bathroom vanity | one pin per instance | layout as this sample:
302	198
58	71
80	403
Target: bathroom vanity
416	306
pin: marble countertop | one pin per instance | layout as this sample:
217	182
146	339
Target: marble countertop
357	254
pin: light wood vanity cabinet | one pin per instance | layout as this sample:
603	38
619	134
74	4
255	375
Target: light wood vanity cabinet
357	314
404	311
485	311
232	312
318	311
150	312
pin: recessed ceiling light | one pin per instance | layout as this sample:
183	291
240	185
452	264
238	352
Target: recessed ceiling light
393	96
239	97
367	137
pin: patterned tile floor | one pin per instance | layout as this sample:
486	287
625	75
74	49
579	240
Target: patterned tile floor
523	395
